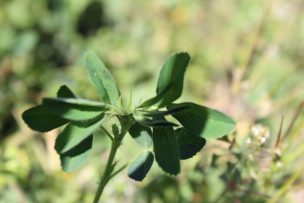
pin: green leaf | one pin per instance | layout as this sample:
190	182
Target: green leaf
40	119
166	150
170	80
76	157
102	79
65	92
115	130
152	121
203	121
189	145
156	99
218	124
173	72
162	113
142	135
74	109
72	135
139	168
78	101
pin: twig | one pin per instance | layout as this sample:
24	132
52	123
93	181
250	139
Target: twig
294	119
279	133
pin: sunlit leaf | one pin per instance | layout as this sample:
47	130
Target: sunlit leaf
170	80
155	100
102	79
139	168
74	109
203	121
218	124
72	135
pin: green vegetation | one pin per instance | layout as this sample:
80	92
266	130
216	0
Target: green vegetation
246	61
84	118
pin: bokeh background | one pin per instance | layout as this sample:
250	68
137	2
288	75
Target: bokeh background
247	60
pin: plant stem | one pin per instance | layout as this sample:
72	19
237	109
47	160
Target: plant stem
125	123
106	132
294	119
108	171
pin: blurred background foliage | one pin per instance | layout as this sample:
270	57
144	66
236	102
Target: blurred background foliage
247	60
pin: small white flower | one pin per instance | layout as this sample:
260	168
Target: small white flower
262	140
260	133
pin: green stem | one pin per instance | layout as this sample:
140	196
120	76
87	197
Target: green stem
106	132
109	173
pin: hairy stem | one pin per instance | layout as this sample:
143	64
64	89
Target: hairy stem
109	172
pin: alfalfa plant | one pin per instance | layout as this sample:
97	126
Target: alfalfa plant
169	141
